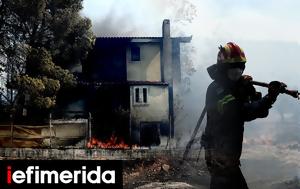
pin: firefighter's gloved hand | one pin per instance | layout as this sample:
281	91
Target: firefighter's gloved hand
244	88
247	79
275	88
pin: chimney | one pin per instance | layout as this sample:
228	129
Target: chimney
166	65
166	28
166	53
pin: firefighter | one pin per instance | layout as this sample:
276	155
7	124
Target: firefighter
231	100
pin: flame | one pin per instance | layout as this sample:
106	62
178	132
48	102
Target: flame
113	142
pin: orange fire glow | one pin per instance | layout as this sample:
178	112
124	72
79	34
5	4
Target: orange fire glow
113	142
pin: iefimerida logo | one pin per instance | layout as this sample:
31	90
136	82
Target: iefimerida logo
35	175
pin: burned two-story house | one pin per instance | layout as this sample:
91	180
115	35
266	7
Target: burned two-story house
129	84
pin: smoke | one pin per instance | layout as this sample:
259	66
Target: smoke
137	18
110	25
269	34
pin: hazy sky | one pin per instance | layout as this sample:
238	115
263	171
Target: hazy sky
227	19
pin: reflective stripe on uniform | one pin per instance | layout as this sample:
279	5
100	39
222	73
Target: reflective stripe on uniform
224	101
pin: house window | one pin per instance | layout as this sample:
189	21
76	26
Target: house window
140	95
145	95
137	95
135	53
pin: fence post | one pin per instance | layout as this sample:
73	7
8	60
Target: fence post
170	133
50	124
90	127
169	137
11	130
130	131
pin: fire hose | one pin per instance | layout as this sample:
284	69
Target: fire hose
293	93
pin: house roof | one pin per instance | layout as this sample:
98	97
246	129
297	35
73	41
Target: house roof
147	83
105	83
179	39
128	37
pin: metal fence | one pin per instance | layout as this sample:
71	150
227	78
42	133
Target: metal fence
63	132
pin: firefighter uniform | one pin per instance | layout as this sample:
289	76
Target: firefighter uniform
230	102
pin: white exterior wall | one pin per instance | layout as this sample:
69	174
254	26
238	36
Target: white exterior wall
157	108
148	68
